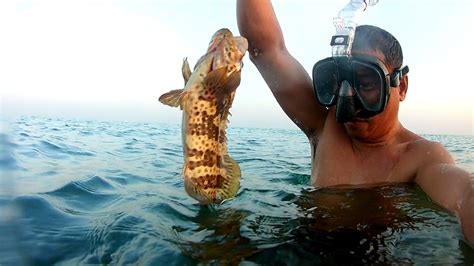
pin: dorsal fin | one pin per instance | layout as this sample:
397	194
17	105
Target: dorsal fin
186	70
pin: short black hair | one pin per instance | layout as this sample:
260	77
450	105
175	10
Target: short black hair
373	38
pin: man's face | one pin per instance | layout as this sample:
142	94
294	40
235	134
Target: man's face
366	129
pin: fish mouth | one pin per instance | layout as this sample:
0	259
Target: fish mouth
213	47
219	37
226	49
211	67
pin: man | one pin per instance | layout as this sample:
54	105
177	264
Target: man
362	143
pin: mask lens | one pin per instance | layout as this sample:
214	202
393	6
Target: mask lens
325	81
369	86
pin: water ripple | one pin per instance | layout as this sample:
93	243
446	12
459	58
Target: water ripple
92	194
132	207
7	158
55	150
45	234
127	178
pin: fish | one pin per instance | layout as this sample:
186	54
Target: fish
210	174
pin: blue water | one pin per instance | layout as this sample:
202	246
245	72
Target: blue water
90	192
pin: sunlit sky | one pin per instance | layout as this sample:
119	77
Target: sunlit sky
111	60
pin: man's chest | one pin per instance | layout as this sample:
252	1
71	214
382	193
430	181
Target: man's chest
338	164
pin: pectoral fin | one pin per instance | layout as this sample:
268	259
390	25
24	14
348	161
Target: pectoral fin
230	84
172	98
225	95
222	86
215	79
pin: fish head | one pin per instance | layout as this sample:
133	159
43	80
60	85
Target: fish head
227	50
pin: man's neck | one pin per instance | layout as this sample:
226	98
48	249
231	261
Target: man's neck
378	139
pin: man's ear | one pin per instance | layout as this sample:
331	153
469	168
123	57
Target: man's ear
403	87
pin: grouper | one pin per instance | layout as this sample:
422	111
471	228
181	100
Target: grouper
210	174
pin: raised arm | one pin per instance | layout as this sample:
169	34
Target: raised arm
288	80
449	186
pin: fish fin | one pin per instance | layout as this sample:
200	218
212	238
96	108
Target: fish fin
186	70
225	96
172	98
230	84
215	79
231	182
222	134
222	86
220	82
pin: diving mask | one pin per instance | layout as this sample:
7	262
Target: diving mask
360	85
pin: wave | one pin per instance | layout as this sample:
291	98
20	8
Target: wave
51	149
86	196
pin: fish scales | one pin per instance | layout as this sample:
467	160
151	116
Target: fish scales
210	174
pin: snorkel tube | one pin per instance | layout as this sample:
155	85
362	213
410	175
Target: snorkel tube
346	23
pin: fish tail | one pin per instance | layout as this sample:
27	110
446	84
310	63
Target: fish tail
231	178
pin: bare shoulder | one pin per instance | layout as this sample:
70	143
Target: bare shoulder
429	152
433	163
417	155
445	183
438	175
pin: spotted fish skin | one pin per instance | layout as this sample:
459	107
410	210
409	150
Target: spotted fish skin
210	174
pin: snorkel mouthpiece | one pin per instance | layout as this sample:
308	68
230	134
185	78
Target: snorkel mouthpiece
346	23
345	108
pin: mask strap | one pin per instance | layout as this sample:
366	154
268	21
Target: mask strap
397	76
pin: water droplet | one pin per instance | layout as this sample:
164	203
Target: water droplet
256	52
443	169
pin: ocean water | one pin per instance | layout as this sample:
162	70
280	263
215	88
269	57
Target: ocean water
93	192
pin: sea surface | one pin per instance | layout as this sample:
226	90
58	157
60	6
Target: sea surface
95	192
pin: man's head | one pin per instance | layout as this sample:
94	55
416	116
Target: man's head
366	87
378	43
371	39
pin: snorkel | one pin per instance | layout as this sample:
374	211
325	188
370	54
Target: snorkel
346	23
341	42
357	84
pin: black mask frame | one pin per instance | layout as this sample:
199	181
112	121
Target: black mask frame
367	75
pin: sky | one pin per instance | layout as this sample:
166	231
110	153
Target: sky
111	60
